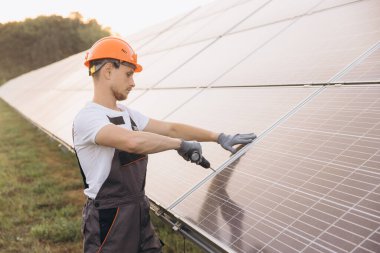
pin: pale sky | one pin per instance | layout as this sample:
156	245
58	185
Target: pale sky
123	17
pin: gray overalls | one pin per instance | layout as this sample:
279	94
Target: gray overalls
118	220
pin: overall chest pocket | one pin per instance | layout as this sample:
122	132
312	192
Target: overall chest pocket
127	158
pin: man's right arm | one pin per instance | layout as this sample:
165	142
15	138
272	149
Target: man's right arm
137	142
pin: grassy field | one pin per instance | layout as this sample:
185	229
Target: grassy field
41	195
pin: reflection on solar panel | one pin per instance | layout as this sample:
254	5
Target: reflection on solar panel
311	181
266	104
312	184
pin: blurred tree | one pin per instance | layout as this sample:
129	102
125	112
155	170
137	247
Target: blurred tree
34	43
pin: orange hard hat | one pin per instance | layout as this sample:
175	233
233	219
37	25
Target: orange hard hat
114	48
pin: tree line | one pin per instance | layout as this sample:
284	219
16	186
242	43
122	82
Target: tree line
34	43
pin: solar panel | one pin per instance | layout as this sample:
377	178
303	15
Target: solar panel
147	61
307	51
166	63
212	64
277	11
220	110
312	184
333	4
214	8
193	24
158	103
220	24
174	37
144	37
204	30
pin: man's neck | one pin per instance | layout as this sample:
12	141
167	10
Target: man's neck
106	102
104	97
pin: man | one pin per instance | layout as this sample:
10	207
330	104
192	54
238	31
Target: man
112	143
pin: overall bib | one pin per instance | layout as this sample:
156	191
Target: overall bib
118	220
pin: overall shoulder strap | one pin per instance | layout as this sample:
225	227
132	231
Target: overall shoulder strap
133	124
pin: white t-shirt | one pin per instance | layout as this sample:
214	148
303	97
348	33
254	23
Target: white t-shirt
95	159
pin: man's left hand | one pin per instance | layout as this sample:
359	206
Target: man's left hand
228	141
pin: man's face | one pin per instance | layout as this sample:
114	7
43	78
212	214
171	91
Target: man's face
123	82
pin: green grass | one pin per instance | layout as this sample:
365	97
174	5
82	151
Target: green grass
41	195
41	199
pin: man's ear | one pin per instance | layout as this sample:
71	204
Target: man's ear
107	70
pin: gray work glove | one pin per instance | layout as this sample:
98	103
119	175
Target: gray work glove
228	141
187	148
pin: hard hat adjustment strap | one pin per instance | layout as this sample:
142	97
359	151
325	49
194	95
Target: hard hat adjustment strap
96	65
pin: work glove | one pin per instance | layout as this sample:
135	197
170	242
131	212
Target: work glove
228	141
187	148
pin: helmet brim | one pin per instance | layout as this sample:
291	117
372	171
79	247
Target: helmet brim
139	68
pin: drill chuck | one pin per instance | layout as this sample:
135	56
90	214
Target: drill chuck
200	160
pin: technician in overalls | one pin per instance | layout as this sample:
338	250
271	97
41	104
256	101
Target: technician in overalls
112	143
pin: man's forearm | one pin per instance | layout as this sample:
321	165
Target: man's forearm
188	132
137	142
149	143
